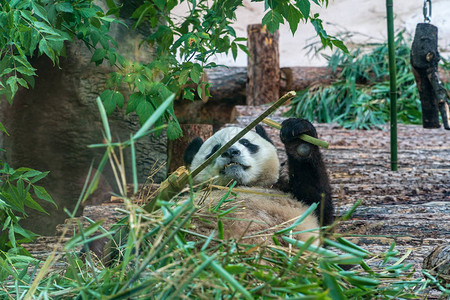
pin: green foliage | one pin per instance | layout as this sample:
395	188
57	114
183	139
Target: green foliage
183	48
38	27
184	45
18	190
163	259
294	13
359	96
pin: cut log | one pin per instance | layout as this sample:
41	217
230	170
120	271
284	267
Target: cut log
300	78
228	89
438	262
263	85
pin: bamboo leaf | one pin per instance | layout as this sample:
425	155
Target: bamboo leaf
227	277
41	193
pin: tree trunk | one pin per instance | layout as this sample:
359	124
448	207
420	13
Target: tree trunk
52	124
263	85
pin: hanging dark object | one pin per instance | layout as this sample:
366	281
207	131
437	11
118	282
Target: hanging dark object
424	60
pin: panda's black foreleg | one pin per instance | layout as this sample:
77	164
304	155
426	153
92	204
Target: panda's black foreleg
308	178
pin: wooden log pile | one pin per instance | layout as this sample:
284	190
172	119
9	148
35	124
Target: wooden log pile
410	207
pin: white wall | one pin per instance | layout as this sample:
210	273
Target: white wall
366	17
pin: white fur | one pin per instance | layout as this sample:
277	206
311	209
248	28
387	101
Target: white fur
263	166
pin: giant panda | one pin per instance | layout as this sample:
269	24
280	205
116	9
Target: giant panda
263	201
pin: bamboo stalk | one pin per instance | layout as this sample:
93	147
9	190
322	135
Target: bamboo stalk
393	83
249	127
175	183
304	137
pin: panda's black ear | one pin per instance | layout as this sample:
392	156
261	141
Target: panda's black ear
262	132
192	149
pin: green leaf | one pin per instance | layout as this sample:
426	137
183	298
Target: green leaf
160	4
95	37
39	177
41	193
12	82
22	82
40	11
293	18
144	110
98	56
305	7
112	58
243	48
118	98
154	117
183	76
200	91
28	235
64	7
272	20
11	236
141	83
28	201
43	48
31	173
174	130
236	269
340	45
234	50
2	128
109	101
196	72
188	94
331	282
134	101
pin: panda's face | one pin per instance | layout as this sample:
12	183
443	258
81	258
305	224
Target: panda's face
250	161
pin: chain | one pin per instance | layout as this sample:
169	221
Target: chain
427	11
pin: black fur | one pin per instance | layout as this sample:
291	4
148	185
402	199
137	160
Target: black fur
231	152
250	146
308	178
260	130
192	149
213	150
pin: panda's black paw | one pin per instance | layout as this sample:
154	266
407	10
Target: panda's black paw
292	128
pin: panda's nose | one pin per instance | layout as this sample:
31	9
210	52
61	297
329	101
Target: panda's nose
231	152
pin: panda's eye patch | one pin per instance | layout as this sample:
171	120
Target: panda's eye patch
251	147
214	149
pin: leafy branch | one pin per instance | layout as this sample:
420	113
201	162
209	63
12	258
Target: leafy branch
184	45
